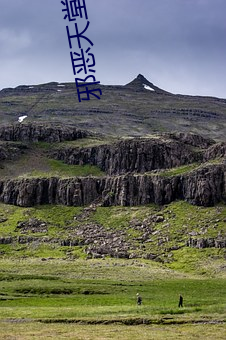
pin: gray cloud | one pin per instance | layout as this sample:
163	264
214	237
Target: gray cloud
177	44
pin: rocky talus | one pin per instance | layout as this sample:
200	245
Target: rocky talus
99	241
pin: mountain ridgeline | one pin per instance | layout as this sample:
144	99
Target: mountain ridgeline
139	108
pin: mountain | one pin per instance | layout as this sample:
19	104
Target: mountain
139	173
140	83
138	108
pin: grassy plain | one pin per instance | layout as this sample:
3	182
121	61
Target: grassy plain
38	331
96	299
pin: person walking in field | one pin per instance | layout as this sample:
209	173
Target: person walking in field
180	301
139	299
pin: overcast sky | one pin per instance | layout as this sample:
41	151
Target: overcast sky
179	45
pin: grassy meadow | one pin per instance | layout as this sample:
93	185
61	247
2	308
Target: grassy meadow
52	291
38	331
96	299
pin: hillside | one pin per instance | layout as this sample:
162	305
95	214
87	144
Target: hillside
84	194
69	157
137	109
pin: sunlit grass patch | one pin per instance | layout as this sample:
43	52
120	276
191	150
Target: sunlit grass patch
180	170
61	169
56	289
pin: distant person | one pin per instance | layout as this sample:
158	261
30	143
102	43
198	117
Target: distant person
139	299
180	301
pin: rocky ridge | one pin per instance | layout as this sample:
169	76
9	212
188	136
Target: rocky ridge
142	155
139	155
136	109
205	186
134	170
38	132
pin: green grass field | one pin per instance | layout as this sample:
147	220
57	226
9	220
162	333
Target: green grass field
96	299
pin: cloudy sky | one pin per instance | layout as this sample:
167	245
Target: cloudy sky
179	45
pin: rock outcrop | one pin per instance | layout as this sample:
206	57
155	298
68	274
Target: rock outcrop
140	81
37	132
11	151
191	139
218	242
205	186
215	151
133	170
137	155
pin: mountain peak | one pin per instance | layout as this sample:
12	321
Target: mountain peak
140	83
141	77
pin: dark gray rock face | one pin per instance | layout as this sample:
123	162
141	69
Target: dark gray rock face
131	155
201	243
192	139
125	163
205	186
35	133
10	151
215	151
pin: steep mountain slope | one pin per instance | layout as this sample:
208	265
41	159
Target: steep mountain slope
136	109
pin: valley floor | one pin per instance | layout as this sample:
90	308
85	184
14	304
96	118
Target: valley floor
96	299
36	331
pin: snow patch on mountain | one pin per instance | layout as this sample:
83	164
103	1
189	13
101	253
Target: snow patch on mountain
21	118
148	87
